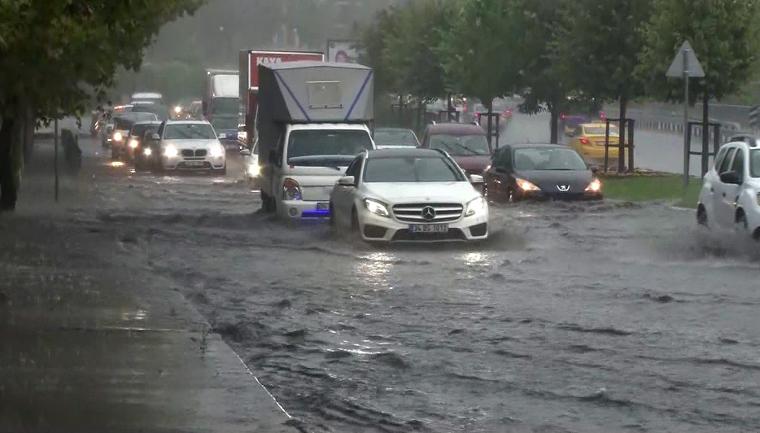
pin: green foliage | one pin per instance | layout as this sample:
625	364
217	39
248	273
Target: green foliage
599	43
373	41
480	49
723	33
56	53
410	49
652	188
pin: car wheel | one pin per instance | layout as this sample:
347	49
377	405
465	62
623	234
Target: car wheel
702	216
741	222
267	203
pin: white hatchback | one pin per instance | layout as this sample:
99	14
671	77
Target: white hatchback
408	195
730	196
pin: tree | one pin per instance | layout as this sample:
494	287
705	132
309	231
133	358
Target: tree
410	51
56	54
479	52
599	44
543	78
724	36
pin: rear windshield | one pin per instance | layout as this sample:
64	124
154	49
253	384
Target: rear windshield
140	129
189	131
600	130
395	137
411	169
313	146
461	145
548	159
754	162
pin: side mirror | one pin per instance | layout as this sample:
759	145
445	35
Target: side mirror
155	137
476	179
347	181
730	177
245	152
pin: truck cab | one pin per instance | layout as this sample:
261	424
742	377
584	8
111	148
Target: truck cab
313	118
303	169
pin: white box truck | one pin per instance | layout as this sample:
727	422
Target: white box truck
313	118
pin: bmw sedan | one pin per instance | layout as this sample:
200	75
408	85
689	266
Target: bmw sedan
408	195
539	171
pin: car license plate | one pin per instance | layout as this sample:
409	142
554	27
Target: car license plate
194	163
429	228
323	205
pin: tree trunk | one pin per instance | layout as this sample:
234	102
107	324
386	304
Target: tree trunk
705	132
8	169
554	124
621	139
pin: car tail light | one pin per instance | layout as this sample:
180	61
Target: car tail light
585	141
562	116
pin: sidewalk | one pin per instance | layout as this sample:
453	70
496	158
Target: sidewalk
88	347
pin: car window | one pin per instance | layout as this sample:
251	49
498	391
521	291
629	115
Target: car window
460	145
504	160
754	162
355	168
719	157
411	169
548	159
395	137
738	165
727	160
600	130
189	131
308	145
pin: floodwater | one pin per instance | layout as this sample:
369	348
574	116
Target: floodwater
573	317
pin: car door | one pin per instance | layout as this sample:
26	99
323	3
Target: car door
343	196
501	169
726	193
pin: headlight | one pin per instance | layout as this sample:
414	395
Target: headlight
475	206
177	109
242	135
147	151
117	136
526	186
133	143
291	190
254	170
216	151
376	207
171	151
594	186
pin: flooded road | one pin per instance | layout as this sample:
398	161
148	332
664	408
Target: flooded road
587	317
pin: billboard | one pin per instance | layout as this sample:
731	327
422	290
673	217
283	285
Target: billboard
342	51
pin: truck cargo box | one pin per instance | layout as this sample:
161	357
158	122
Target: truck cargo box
315	92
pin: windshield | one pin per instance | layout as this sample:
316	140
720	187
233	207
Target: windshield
221	123
600	130
161	111
140	129
317	147
189	131
548	159
395	137
411	169
225	105
754	162
461	145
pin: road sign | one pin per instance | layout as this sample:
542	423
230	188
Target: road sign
685	63
754	117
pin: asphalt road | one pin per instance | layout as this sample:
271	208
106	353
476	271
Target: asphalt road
587	317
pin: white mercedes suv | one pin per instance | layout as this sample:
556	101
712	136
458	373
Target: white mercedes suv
730	196
408	195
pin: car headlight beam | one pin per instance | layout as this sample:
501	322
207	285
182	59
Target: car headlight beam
216	151
377	207
147	151
133	144
594	186
171	151
475	206
526	185
117	136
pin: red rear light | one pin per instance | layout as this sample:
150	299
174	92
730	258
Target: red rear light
562	116
585	140
603	115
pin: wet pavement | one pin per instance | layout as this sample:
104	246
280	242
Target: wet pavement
573	317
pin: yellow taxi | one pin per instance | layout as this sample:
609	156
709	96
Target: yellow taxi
588	140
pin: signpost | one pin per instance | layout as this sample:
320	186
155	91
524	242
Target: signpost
685	65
